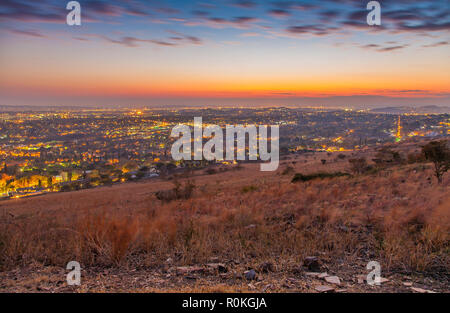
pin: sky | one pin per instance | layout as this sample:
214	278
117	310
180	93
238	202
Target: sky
225	53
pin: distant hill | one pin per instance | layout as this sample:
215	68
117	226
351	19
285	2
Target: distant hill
35	108
429	109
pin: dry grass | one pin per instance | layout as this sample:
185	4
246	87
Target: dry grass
395	216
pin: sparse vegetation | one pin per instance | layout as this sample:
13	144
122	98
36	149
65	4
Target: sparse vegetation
250	188
358	165
394	216
178	192
287	170
438	153
301	177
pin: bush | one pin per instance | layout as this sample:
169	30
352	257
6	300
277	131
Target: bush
415	158
386	156
358	166
211	171
287	170
178	192
303	178
249	189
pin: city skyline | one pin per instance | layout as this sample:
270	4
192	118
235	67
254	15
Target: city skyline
157	53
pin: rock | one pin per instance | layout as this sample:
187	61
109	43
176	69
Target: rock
214	259
266	267
333	280
251	226
383	280
183	270
322	275
323	288
250	275
312	263
220	267
420	290
312	274
408	284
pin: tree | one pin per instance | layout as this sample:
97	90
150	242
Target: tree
359	165
438	153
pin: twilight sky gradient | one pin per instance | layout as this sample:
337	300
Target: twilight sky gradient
225	52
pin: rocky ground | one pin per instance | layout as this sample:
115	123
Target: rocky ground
311	276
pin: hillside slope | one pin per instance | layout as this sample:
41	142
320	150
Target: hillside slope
236	220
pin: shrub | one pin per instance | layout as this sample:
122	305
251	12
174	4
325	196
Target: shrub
303	178
287	170
358	166
249	189
178	192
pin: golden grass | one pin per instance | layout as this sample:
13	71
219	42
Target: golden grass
395	216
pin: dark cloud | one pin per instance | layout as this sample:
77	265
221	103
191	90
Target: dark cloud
437	44
412	91
294	5
329	14
279	13
247	4
175	40
427	26
168	10
31	11
237	22
381	48
322	17
200	13
130	41
30	33
317	30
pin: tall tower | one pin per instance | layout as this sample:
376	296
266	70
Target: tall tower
399	129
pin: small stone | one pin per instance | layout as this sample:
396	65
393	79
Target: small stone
420	290
333	280
323	288
408	284
322	275
312	274
214	259
220	267
250	275
182	270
